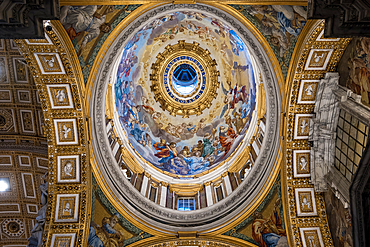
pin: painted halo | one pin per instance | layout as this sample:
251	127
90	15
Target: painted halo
133	111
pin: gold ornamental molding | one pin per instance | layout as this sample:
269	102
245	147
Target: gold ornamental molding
249	2
304	209
58	79
154	230
198	60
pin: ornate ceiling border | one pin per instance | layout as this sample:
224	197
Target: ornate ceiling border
249	2
123	195
201	241
57	65
313	58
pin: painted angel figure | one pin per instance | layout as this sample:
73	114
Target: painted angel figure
233	96
166	152
227	137
228	99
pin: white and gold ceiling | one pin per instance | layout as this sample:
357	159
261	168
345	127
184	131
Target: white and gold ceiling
180	101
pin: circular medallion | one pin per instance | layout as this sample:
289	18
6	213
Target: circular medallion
184	79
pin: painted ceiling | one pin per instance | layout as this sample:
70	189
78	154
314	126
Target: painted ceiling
200	107
186	78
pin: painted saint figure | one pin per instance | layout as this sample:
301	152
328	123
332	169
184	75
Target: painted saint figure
268	232
166	152
89	19
106	235
207	145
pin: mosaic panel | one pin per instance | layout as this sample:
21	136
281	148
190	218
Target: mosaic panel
42	163
4	74
64	239
7	121
32	208
28	185
13	229
24	96
6	160
9	208
5	96
24	160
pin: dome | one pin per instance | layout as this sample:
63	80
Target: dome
174	106
191	95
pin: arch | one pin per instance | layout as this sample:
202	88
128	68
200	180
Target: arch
54	67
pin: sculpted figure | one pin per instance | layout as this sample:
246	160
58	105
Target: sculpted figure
68	168
36	233
60	96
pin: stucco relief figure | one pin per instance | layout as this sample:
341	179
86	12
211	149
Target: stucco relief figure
65	131
50	62
309	90
67	209
303	126
68	168
106	235
303	163
60	96
36	233
269	232
306	203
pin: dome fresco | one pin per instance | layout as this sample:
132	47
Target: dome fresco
185	92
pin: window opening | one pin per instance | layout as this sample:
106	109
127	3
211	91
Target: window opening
350	144
186	204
